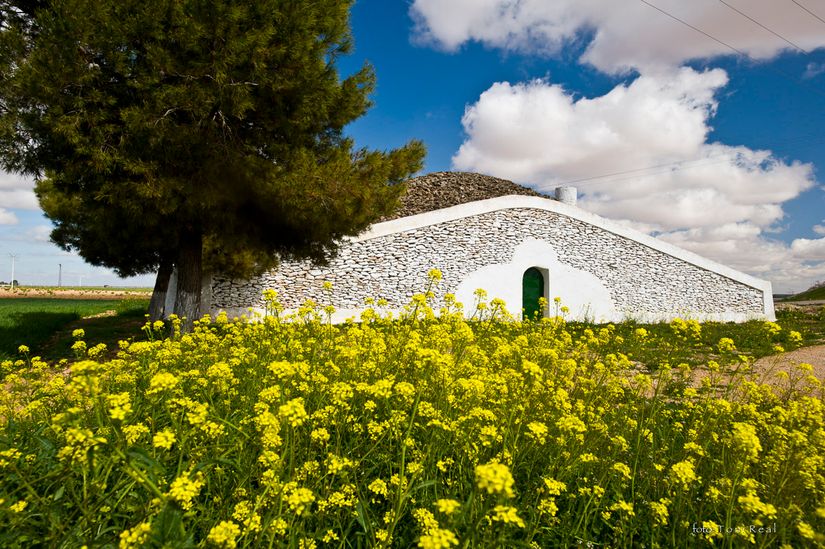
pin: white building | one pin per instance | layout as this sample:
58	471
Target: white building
483	232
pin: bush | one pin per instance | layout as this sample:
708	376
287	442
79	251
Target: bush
400	432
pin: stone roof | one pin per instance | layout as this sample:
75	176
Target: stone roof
439	190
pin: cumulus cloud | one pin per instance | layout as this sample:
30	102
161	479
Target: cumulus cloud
650	138
7	217
625	35
17	192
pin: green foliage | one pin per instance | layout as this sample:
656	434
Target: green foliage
185	120
34	321
692	343
435	432
811	294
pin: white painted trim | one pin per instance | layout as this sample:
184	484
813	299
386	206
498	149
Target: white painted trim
508	202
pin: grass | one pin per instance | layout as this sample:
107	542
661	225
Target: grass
808	295
45	325
420	431
750	337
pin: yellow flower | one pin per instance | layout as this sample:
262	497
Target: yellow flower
752	504
164	439
624	507
425	519
23	350
553	486
683	474
537	431
119	405
379	487
184	489
337	464
447	506
805	530
300	500
383	536
726	345
135	537
19	507
438	538
495	478
162	381
224	534
622	469
744	438
660	511
320	436
245	514
293	412
507	515
133	433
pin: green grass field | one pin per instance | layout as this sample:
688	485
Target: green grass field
44	324
809	295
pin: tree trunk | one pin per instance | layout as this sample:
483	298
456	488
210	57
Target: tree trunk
188	264
158	301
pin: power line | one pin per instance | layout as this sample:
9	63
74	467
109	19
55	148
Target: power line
809	11
684	164
732	48
679	164
697	29
743	14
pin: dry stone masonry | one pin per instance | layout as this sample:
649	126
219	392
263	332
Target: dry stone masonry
642	282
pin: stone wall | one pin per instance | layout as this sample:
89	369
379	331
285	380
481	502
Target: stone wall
642	282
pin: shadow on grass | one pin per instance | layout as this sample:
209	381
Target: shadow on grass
48	334
32	329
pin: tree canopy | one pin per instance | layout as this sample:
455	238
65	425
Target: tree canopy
172	125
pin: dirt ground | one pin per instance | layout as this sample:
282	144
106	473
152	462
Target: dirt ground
74	293
770	366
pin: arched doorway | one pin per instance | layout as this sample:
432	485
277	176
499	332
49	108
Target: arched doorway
532	288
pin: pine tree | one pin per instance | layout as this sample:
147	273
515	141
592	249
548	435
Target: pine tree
221	121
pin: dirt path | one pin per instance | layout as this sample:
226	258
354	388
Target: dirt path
770	366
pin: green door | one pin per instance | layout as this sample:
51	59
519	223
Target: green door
532	288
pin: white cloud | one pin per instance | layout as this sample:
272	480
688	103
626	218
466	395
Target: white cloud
625	34
17	192
813	70
7	217
809	249
717	200
40	233
819	229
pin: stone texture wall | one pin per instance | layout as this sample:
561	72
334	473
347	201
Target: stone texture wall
394	267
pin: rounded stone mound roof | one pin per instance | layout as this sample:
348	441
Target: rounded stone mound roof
438	190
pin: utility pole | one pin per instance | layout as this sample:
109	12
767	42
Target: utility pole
60	275
13	257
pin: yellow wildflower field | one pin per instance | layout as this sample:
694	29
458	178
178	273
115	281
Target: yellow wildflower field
424	431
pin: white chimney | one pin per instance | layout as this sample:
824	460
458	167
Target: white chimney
566	195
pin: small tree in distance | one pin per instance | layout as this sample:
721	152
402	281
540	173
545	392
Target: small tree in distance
192	122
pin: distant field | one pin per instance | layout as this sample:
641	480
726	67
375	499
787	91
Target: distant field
75	292
809	295
37	322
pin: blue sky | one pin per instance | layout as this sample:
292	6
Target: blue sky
719	152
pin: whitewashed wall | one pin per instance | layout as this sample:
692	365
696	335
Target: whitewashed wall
600	270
